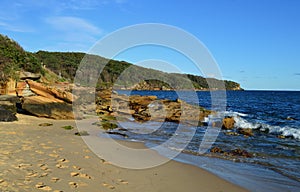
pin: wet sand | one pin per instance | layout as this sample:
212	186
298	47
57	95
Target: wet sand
50	158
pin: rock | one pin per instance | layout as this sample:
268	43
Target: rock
23	90
117	133
7	116
232	133
8	88
290	118
108	125
50	92
246	131
47	107
45	124
28	75
240	152
216	150
228	123
281	137
82	133
9	102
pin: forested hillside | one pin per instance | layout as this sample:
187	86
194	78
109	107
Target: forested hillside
66	64
14	58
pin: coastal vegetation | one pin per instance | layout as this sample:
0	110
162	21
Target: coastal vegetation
13	58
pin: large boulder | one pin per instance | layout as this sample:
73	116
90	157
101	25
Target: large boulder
9	102
7	116
48	107
228	123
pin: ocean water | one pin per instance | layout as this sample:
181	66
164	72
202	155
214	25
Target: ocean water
275	165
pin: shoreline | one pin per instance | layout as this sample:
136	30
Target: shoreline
51	158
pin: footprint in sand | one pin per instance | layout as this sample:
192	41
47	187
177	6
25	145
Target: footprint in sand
74	174
3	183
73	184
63	160
76	167
60	166
32	174
53	155
82	175
108	186
44	175
55	179
42	186
23	166
40	152
122	181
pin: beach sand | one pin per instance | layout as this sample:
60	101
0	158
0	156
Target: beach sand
50	158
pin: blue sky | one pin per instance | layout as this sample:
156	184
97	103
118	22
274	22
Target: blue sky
255	42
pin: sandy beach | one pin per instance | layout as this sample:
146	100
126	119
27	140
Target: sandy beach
50	158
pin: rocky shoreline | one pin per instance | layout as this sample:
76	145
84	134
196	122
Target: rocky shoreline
56	102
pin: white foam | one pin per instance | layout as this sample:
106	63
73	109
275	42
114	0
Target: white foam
234	114
286	131
243	123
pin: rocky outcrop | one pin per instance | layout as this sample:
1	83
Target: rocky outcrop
9	102
47	107
145	108
7	116
23	90
8	108
234	153
50	92
228	123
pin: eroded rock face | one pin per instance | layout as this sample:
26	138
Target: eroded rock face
48	107
50	92
23	90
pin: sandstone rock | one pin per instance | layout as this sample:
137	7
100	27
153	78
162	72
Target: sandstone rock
8	88
49	92
47	107
23	90
228	123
